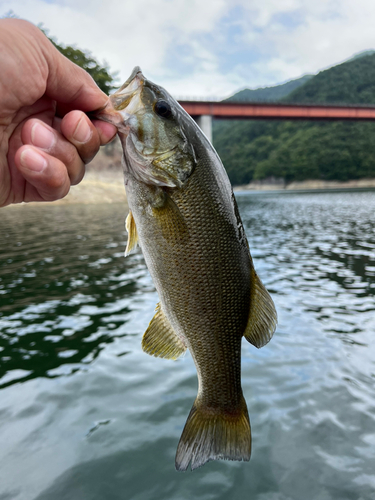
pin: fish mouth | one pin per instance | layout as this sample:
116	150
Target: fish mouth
124	102
123	96
136	75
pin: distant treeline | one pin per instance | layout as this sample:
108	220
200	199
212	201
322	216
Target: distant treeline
296	150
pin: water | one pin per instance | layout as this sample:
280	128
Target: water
85	415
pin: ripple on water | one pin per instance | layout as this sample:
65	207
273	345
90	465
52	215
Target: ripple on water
100	418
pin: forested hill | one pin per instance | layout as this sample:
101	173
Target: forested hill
352	82
268	94
298	150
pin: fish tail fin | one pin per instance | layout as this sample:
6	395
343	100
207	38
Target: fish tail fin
214	434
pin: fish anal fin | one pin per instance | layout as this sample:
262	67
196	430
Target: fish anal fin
131	229
160	340
214	435
262	316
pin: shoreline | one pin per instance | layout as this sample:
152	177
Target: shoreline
107	186
309	185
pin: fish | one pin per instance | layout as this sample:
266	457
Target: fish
184	216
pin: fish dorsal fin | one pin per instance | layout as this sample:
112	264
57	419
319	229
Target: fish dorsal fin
132	233
262	316
160	340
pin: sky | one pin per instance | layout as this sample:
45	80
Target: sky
208	48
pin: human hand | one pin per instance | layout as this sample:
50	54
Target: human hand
45	137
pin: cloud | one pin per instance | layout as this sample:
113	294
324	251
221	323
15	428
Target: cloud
310	37
209	48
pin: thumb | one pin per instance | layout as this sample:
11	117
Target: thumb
70	85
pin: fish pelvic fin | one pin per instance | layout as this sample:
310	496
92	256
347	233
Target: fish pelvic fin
262	316
214	434
160	340
131	228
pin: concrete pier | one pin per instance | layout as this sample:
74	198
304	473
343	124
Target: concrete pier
205	123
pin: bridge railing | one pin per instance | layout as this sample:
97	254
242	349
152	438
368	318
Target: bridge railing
204	111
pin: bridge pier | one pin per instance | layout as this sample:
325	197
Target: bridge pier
205	124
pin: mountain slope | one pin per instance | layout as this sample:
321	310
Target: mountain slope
352	82
270	94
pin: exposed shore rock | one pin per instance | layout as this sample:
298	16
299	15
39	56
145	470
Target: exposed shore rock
309	184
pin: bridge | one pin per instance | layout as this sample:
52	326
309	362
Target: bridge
204	111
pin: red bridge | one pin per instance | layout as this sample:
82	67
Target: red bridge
204	111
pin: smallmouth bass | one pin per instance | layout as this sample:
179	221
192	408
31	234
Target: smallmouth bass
185	218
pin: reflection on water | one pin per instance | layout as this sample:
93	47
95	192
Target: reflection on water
84	414
65	288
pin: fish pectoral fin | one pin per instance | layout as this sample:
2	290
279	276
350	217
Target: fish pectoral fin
160	340
171	222
262	316
131	228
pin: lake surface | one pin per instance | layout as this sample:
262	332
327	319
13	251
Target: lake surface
86	415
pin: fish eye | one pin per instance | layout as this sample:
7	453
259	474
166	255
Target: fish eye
162	108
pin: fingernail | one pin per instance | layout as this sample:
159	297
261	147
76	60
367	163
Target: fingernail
83	132
42	137
32	160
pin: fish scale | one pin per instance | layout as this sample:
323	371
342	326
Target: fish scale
184	216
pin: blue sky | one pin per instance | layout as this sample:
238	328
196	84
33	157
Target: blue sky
211	48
